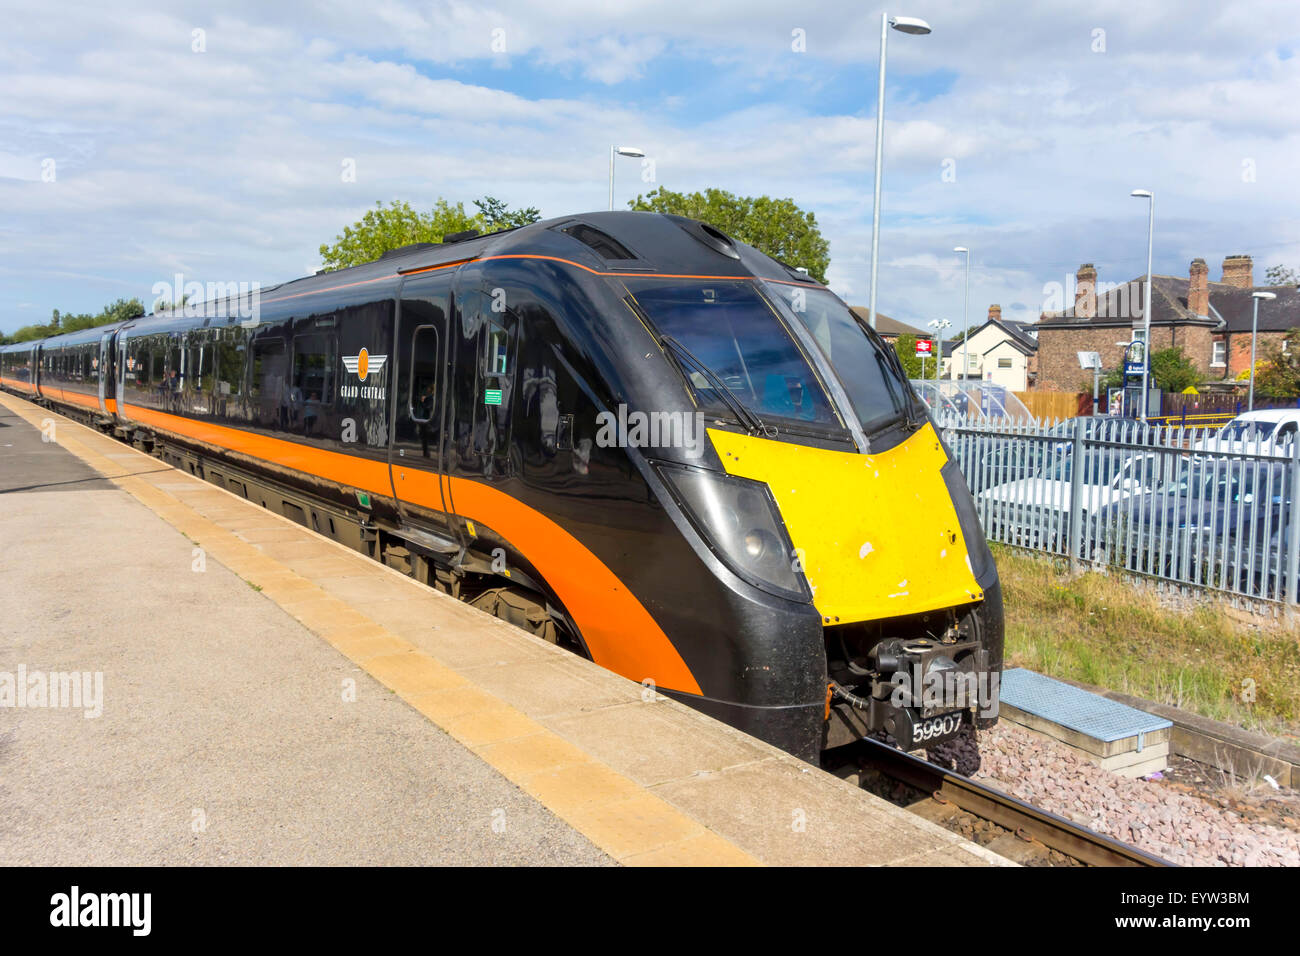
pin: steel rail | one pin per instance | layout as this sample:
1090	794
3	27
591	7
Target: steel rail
1024	819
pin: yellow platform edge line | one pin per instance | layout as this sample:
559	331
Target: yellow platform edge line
632	825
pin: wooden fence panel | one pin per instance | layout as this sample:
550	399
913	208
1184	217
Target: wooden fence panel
1054	405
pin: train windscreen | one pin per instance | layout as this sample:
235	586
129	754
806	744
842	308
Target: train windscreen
728	336
865	370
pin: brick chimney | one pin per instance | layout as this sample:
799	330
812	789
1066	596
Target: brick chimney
1085	292
995	313
1198	288
1239	271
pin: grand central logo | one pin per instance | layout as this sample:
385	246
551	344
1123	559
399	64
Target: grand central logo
364	365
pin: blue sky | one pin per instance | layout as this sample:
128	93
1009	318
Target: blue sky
224	163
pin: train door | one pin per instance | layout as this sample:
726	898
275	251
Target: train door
420	408
119	376
104	373
494	372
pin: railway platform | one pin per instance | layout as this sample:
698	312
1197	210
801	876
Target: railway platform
253	693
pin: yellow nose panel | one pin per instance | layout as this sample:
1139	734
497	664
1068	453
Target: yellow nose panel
877	535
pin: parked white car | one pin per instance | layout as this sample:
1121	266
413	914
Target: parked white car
1035	511
1270	431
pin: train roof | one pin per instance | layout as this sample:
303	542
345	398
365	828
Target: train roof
604	243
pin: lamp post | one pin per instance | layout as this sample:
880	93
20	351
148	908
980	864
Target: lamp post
619	151
1146	296
1254	327
938	325
965	338
903	25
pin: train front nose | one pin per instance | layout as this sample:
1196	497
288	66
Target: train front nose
900	574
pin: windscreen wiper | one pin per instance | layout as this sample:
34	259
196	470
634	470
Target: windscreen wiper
753	424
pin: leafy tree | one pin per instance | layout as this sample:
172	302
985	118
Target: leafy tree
905	346
1281	275
497	215
398	224
61	322
777	227
1172	370
1277	374
391	227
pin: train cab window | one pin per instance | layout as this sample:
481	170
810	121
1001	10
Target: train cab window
857	357
746	354
424	373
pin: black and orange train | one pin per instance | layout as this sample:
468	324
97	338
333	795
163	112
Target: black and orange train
626	432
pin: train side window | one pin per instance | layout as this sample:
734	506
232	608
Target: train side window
424	373
313	366
142	367
228	364
157	365
176	372
266	376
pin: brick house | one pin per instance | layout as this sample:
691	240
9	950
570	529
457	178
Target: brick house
888	328
1210	321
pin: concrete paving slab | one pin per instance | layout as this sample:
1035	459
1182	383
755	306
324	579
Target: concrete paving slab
225	735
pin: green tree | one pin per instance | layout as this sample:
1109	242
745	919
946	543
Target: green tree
398	224
905	346
62	322
777	227
1277	373
497	215
1173	370
392	226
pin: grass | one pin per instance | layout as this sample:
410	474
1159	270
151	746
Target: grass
1113	633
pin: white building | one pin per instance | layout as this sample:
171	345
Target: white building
1000	352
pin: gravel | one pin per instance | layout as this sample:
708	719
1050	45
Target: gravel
1179	827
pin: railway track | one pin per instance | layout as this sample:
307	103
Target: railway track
1023	819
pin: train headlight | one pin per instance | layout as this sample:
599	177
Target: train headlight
739	521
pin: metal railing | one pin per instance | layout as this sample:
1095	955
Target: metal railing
1187	505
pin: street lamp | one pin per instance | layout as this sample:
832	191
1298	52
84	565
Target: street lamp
1254	325
1146	305
938	325
903	25
619	151
965	348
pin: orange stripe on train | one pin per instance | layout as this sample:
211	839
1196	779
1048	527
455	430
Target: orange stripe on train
618	630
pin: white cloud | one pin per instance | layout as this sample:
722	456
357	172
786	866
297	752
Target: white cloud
229	160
